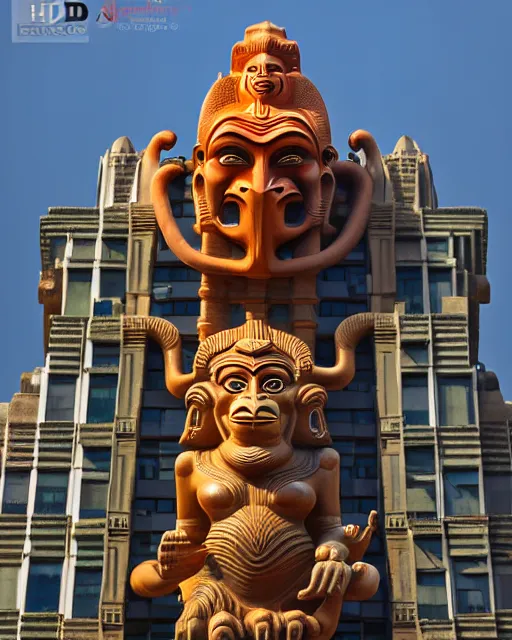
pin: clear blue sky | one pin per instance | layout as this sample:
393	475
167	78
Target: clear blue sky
437	70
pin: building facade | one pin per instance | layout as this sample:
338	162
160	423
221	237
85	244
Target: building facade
89	443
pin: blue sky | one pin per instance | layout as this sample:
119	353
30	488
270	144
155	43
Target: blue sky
437	70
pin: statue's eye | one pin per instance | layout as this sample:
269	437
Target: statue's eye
290	159
252	69
230	157
273	385
235	385
274	68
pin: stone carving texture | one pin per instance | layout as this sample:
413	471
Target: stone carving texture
259	547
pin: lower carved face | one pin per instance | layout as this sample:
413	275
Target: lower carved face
264	77
255	400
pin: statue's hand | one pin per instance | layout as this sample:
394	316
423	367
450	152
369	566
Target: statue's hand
177	553
330	572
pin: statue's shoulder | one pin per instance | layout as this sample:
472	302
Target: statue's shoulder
329	458
185	464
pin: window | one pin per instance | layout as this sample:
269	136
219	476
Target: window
431	591
188	351
57	249
472	586
498	494
96	459
335	308
409	288
437	248
278	313
51	493
78	295
114	249
355	277
102	398
86	595
440	286
43	588
155	378
421	486
105	355
102	308
146	507
237	314
463	253
502	585
9	577
415	399
156	460
358	505
358	459
325	355
145	544
113	283
456	406
165	275
162	422
83	249
15	491
175	308
93	498
60	399
461	493
414	354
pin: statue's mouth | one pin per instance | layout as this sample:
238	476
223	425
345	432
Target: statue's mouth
263	86
243	415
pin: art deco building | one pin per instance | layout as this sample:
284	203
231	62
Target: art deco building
88	445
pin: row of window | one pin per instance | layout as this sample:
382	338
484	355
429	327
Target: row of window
409	288
52	488
112	249
78	293
60	399
455	401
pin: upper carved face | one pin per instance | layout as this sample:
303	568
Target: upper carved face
264	78
264	184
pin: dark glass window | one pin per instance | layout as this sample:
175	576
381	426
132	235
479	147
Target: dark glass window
175	308
279	313
472	586
93	498
105	355
78	294
237	314
60	399
97	459
113	283
418	353
43	588
409	288
51	493
102	308
57	249
440	286
336	308
162	422
325	355
355	277
114	249
358	505
437	248
463	253
358	459
420	460
432	599
15	491
83	249
421	486
156	460
146	507
188	351
415	399
86	595
102	398
155	377
456	406
461	493
164	275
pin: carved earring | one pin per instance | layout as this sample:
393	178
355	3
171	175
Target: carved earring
311	426
200	428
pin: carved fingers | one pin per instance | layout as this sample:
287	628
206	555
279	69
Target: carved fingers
262	624
327	577
224	626
331	551
190	629
299	625
176	551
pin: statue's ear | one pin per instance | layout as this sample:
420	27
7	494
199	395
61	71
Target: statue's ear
201	430
311	426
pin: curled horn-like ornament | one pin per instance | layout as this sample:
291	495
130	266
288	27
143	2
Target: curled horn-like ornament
348	335
163	141
352	232
168	337
361	139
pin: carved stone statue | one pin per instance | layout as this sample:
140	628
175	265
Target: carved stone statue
259	549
